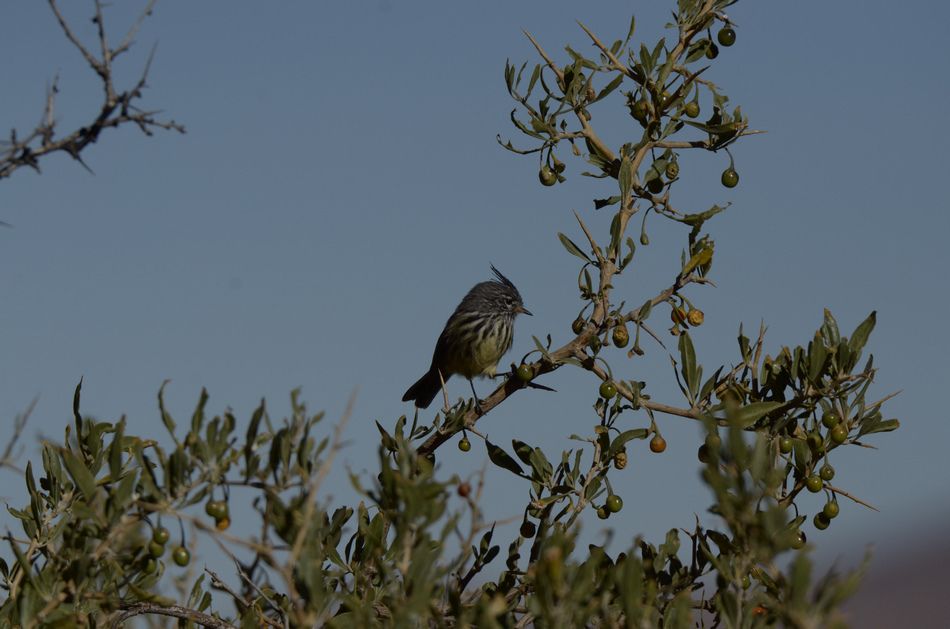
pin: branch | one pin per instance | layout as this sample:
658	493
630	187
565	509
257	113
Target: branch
313	487
555	359
19	423
589	133
852	497
117	108
175	611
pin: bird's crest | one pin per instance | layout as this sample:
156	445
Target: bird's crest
501	279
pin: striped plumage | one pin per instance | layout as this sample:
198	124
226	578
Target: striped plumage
474	339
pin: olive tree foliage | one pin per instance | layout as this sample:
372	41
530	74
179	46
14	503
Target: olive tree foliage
113	518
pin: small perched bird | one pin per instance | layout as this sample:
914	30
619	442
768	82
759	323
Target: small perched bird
474	339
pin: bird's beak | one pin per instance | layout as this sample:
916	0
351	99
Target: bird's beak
524	310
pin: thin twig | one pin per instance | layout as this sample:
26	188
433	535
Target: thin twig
852	497
174	611
118	108
19	423
317	480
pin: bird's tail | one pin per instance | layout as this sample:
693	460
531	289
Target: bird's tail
425	389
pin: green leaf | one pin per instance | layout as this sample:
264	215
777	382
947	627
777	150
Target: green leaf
115	451
198	417
620	440
751	413
744	346
886	425
601	203
817	354
523	450
703	256
860	336
166	417
571	247
829	330
615	235
540	465
502	459
625	179
388	442
610	87
80	474
710	383
644	311
76	415
627	258
149	482
700	218
633	27
688	365
541	347
534	79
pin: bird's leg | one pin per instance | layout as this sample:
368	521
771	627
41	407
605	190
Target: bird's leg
478	403
445	394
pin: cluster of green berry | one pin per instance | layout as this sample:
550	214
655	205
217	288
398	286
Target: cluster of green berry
155	549
218	509
817	478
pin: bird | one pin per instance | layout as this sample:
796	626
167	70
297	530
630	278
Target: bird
474	338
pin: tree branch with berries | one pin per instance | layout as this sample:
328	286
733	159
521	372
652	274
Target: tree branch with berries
415	547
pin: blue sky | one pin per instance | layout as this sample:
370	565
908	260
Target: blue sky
340	188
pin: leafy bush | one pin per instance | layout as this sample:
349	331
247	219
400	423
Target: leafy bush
105	506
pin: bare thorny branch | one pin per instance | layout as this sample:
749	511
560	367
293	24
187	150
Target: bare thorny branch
119	107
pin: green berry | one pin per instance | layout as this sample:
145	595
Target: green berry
156	550
821	521
641	110
160	535
785	445
607	389
830	509
730	178
614	503
181	556
524	373
814	483
726	36
692	109
830	420
547	176
217	509
713	51
464	444
826	472
798	539
839	434
602	513
620	335
672	170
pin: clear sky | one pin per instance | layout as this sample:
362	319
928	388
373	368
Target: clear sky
340	188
